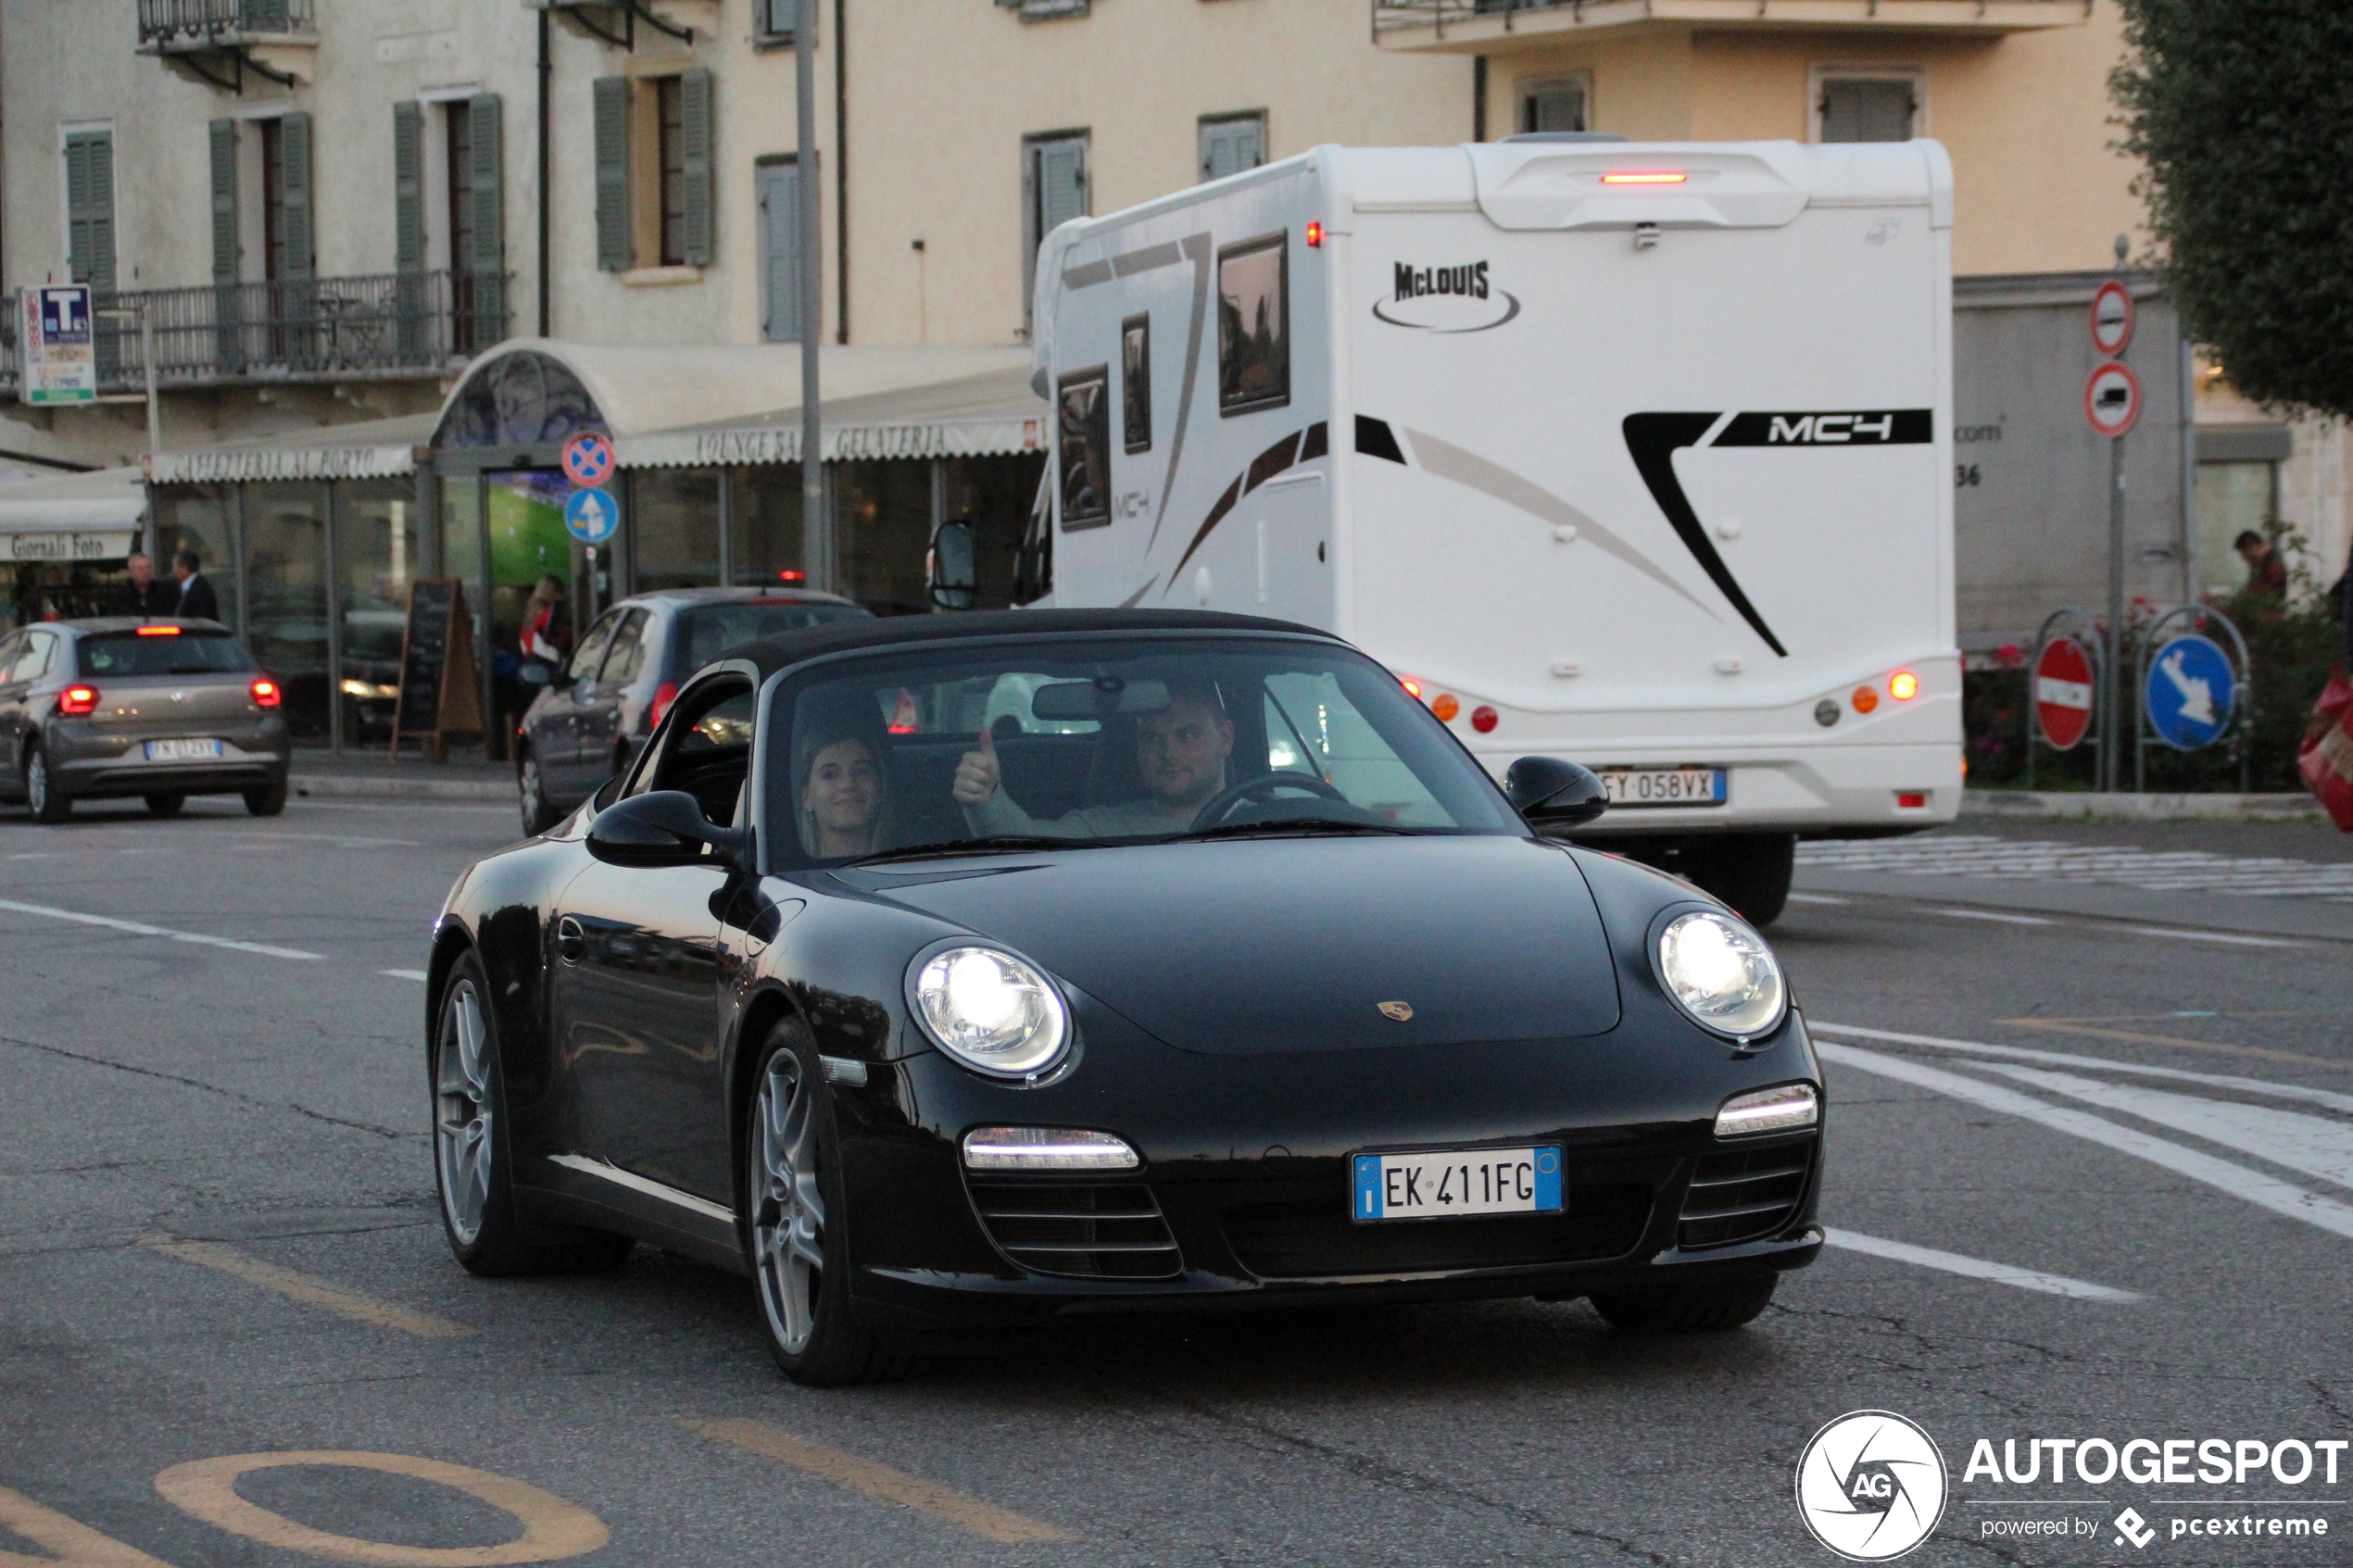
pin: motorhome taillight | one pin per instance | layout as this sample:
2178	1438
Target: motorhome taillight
1864	700
1315	234
1444	705
1903	685
1413	684
1645	177
78	700
266	693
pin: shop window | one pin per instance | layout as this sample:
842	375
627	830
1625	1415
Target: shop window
201	518
674	519
375	562
653	141
882	518
996	494
764	515
1554	104
285	578
1230	144
1053	191
2232	498
1084	398
1253	326
1866	108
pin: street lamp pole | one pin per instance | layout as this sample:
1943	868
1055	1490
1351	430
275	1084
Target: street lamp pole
816	530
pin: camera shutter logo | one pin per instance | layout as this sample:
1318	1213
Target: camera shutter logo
1871	1485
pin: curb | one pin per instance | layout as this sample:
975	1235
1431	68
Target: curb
2090	807
349	786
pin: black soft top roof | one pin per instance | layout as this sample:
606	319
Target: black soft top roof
772	654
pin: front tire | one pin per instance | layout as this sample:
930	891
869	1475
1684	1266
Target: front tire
794	1199
537	815
48	803
266	800
473	1150
1693	1310
1749	871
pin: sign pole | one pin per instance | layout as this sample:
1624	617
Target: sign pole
2111	727
816	532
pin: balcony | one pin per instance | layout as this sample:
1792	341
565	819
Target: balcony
220	42
1496	27
389	326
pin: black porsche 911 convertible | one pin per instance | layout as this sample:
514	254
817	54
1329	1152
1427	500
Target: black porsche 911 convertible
978	971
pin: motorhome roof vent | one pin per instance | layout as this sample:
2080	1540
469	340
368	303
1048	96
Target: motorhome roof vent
1566	136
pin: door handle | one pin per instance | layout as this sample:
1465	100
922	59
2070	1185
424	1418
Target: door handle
571	941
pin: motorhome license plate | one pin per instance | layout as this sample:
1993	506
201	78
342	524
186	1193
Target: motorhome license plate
1449	1184
1664	786
181	750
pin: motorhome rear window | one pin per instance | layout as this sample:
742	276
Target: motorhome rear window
124	654
1085	397
1136	381
1253	326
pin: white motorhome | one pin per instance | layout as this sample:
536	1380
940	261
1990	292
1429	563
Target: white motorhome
1634	454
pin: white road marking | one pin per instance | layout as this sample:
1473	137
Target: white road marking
1978	1268
44	855
1814	898
2300	1142
406	973
2067	1058
2213	936
138	929
1993	915
1984	855
2239	1181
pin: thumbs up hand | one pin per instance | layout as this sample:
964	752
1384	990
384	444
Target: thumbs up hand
979	775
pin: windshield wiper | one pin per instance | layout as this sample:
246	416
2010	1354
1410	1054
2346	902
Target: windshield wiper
1279	827
988	844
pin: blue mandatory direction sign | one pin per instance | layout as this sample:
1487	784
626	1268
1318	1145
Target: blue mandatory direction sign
2191	689
592	516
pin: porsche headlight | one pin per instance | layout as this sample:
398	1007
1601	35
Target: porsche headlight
991	1010
1722	972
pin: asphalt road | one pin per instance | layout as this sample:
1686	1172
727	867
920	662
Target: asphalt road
216	1240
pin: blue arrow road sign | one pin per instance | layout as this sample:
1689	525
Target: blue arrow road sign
2192	687
591	516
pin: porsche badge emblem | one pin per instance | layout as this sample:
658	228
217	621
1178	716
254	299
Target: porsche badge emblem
1400	1011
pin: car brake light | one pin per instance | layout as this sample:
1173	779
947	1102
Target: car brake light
266	693
1903	685
1650	177
662	694
1315	235
790	575
78	700
158	631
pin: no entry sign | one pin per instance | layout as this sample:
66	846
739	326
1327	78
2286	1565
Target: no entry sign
2112	399
2063	693
2111	317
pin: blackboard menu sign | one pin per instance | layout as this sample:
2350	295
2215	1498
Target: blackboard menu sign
439	686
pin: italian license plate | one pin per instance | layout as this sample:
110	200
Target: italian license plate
1444	1185
181	750
1665	786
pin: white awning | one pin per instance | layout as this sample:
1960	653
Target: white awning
988	415
367	449
74	517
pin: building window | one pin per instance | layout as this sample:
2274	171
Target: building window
1555	103
2233	499
1866	108
1084	398
1230	142
1053	191
90	209
655	157
1136	383
1253	326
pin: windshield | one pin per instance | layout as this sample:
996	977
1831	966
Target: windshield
1096	741
121	654
713	630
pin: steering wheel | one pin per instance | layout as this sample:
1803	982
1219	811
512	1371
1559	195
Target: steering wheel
1222	806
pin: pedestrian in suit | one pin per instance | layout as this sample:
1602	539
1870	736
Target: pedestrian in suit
143	595
197	601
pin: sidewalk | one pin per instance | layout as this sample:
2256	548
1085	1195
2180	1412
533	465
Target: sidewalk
2084	807
320	774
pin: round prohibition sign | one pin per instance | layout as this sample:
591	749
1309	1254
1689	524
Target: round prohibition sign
587	460
2112	314
2112	399
552	1528
2063	693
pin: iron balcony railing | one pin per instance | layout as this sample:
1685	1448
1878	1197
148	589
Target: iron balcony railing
291	329
1394	13
197	21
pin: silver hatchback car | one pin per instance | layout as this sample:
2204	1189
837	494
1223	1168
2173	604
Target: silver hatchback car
120	707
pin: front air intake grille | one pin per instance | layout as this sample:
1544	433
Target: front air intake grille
1741	1195
1320	1241
1093	1230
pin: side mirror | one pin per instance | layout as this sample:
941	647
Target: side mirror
1550	792
534	674
665	828
955	570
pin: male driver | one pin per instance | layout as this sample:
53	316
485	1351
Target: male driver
141	594
1181	751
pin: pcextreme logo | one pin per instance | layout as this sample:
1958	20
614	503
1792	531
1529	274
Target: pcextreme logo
1871	1485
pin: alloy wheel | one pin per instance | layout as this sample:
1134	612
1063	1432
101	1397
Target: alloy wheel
461	1112
36	782
788	1224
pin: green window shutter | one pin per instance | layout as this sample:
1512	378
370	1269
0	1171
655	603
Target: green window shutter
489	262
294	188
1228	146
90	209
1061	184
695	130
224	200
615	251
408	188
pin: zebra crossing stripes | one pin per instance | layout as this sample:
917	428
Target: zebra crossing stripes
2174	871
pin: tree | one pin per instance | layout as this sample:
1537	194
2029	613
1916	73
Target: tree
2242	111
